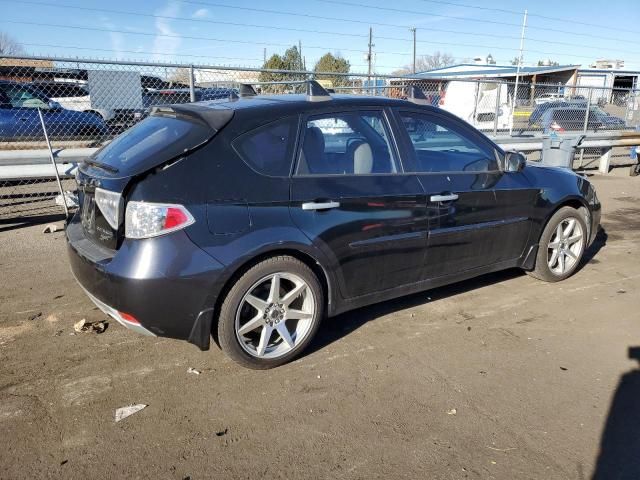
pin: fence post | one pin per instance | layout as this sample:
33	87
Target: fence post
55	167
192	87
586	123
497	112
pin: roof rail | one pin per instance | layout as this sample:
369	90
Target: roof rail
417	96
246	90
316	92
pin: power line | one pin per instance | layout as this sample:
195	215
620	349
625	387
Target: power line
189	37
454	17
517	12
280	12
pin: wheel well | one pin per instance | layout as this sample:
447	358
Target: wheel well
578	205
307	259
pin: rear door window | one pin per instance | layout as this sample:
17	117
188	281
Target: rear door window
153	141
349	143
269	149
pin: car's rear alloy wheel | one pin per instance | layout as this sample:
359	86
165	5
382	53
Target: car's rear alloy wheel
271	313
561	246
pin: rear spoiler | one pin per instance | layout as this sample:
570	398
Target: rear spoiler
214	117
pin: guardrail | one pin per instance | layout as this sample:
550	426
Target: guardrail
35	164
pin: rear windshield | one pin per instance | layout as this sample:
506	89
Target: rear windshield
151	142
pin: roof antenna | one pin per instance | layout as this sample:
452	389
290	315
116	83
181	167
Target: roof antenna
316	92
247	90
417	96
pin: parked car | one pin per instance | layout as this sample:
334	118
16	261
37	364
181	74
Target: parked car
548	97
257	216
19	119
75	96
561	119
538	112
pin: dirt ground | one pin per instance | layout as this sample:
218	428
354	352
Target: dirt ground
502	377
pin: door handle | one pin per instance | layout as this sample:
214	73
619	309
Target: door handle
320	205
444	198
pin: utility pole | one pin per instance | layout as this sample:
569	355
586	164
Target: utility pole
515	93
369	56
300	55
413	30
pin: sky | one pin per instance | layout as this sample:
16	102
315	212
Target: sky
237	32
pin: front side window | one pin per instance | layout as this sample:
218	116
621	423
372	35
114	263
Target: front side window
269	149
349	143
440	146
23	98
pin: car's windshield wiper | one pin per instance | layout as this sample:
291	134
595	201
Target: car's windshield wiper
103	166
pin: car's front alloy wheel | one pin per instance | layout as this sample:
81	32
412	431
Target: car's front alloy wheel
561	245
271	313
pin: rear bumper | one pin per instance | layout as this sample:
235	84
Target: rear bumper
167	283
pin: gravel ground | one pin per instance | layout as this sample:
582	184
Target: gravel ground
500	377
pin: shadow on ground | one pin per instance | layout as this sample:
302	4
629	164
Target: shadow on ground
619	456
342	325
23	222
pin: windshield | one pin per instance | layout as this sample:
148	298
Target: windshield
153	141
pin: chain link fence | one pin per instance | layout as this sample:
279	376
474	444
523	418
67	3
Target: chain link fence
85	103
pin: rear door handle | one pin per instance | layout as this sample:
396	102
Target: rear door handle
444	198
320	205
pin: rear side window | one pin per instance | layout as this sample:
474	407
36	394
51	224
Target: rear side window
349	143
441	146
269	149
154	140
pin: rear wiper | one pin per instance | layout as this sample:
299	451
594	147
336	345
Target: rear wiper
101	165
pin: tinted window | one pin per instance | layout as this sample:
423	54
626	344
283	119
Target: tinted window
442	146
154	140
346	143
20	97
269	149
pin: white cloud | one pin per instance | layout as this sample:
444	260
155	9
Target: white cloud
165	47
201	13
116	38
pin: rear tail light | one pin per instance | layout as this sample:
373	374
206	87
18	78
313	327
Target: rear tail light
144	220
109	204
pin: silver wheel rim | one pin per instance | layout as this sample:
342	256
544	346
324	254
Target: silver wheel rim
565	246
275	315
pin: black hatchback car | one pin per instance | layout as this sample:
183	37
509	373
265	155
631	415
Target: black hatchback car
252	218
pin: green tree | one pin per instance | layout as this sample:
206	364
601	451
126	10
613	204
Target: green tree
275	62
329	63
291	60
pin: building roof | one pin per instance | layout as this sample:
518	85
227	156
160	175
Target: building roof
471	70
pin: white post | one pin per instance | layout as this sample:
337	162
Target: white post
55	167
515	92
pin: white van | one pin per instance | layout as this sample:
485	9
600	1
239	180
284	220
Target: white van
475	103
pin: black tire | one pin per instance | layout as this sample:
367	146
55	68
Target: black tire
227	336
542	270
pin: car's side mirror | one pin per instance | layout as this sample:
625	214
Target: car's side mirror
514	161
54	105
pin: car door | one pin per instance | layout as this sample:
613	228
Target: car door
350	197
477	214
22	119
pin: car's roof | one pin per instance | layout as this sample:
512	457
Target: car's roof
276	105
266	107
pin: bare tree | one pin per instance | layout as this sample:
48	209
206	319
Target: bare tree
9	46
428	62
